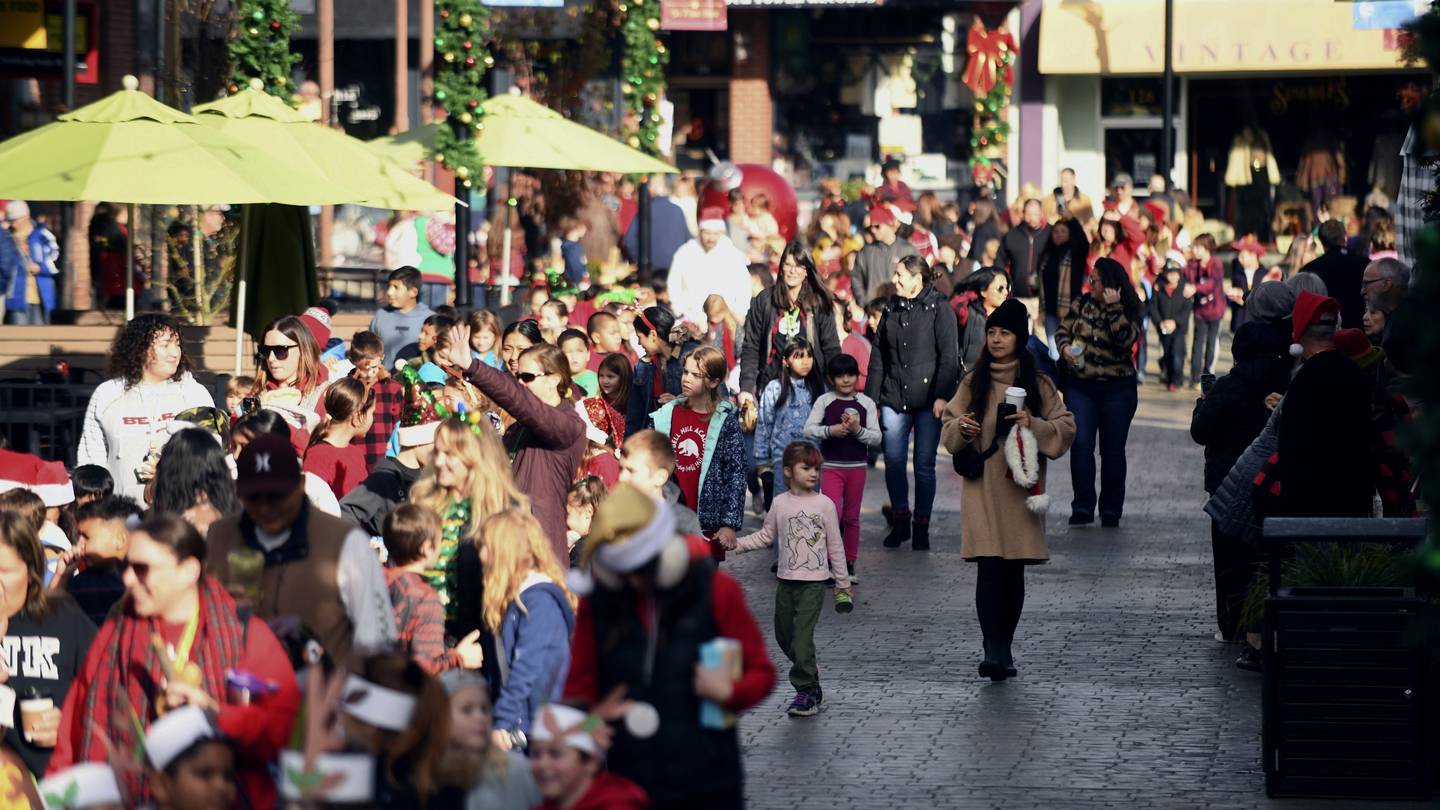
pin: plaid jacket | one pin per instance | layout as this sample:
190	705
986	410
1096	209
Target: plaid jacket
420	620
1415	180
389	399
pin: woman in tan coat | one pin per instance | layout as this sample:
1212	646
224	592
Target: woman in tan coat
1002	510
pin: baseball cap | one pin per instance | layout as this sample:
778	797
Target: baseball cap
267	466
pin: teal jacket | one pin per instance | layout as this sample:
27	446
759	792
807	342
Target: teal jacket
723	466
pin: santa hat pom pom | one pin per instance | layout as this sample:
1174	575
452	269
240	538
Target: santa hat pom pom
1296	350
1038	504
581	584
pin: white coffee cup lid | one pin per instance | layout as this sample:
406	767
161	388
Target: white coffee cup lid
642	720
1014	391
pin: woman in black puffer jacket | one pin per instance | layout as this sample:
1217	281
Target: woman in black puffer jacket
914	370
1226	421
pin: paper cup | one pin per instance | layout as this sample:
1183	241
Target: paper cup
30	713
1015	396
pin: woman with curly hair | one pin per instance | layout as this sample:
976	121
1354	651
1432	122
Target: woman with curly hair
127	420
290	378
193	480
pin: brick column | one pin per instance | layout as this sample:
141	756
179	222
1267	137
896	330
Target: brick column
751	113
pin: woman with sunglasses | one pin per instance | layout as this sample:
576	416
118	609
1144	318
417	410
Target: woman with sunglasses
178	639
290	378
35	622
546	442
127	418
981	293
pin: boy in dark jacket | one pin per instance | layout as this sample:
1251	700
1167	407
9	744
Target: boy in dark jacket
1170	311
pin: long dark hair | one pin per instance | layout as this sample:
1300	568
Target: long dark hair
980	280
814	295
814	381
1113	276
529	328
193	464
619	365
1025	377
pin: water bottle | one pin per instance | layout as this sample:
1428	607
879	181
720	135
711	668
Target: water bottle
1077	355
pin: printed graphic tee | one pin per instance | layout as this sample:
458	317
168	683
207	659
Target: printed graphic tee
687	438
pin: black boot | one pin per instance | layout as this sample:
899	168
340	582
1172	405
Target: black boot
991	667
1006	659
899	529
920	534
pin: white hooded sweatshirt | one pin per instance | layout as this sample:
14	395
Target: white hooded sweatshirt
121	425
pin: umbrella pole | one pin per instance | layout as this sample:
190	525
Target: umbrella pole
506	280
130	266
240	291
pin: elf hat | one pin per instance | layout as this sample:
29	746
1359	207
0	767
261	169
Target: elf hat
89	784
176	732
420	415
1311	310
317	320
629	530
48	479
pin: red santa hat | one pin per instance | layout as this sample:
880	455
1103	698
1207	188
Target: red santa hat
712	219
1023	458
882	215
317	320
1311	310
48	479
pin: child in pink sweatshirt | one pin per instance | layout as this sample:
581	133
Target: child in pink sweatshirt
803	523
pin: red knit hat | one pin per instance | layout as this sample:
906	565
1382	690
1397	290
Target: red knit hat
1311	310
1357	347
881	215
317	320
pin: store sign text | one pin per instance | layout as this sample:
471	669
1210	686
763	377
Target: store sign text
1247	54
1331	92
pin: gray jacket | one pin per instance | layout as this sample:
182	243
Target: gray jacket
875	265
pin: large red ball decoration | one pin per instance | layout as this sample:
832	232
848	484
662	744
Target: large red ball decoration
752	179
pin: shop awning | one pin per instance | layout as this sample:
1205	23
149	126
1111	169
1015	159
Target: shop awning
1088	37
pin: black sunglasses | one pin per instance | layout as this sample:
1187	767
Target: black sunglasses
142	570
281	352
527	377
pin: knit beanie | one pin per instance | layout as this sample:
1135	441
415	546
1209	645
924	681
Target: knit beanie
1011	316
1353	344
317	320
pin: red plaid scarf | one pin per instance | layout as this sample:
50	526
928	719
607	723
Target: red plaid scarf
604	417
127	676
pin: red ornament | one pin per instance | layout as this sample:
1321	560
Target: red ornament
473	103
752	179
469	61
274	25
467	44
444	13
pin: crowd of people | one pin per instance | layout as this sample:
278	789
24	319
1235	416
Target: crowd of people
460	561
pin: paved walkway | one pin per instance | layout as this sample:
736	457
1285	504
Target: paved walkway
1123	700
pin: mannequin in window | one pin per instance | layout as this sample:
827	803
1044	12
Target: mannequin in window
1252	175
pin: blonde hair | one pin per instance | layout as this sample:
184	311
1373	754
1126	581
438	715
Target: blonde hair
512	546
491	487
716	304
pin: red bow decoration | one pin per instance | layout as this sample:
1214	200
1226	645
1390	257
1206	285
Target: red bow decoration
988	51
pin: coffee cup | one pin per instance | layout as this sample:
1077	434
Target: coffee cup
1015	396
31	711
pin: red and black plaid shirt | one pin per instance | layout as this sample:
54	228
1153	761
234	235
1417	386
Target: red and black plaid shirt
420	621
389	399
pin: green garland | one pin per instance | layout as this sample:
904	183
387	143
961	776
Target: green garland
642	72
462	38
259	47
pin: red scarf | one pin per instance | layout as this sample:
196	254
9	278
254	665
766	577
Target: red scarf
724	341
605	417
126	675
961	304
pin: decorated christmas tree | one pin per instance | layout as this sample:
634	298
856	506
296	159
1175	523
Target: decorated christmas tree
260	46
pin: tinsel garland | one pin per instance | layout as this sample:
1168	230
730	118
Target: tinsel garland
462	38
642	72
259	46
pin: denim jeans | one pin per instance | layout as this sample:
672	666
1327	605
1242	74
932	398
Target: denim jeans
434	293
479	298
896	441
1203	348
1105	407
31	315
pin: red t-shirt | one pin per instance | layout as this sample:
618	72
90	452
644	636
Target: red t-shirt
343	468
687	438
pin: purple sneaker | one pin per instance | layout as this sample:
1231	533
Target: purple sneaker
804	705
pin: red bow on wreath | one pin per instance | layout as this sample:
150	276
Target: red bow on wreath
988	52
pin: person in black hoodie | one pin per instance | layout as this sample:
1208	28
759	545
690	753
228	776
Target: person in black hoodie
1227	418
1062	275
1170	311
913	372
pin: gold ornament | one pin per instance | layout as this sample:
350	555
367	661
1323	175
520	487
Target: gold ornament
465	20
449	57
653	24
462	172
466	118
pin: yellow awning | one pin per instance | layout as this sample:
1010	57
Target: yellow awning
1109	37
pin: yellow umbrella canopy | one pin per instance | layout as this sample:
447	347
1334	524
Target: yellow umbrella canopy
521	133
130	148
349	164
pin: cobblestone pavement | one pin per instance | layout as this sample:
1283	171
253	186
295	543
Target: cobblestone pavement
1123	700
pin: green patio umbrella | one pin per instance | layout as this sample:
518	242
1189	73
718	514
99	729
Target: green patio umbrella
263	120
521	133
130	148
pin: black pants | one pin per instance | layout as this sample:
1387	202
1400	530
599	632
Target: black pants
999	598
1203	349
1172	356
1235	563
